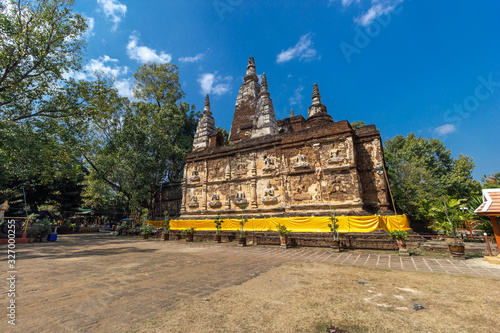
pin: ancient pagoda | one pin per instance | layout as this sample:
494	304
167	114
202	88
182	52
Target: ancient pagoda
287	167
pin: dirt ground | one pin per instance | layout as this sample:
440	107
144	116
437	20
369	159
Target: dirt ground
100	283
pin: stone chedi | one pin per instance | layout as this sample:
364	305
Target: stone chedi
288	167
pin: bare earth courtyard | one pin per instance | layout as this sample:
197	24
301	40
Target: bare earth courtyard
100	283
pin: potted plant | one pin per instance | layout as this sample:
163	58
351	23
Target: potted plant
242	238
39	231
146	230
218	222
188	233
400	237
335	243
166	227
284	233
446	214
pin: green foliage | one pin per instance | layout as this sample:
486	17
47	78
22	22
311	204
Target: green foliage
421	169
484	221
492	181
145	143
218	222
398	234
357	124
283	231
334	224
43	111
146	229
40	228
191	230
447	214
225	134
166	223
158	84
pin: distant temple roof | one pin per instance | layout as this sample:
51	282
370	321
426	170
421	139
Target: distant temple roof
491	203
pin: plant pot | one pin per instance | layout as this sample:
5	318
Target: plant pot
217	238
242	241
166	236
145	236
457	251
402	247
284	241
335	245
189	237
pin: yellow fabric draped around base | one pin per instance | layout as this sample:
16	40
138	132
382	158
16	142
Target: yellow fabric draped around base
303	224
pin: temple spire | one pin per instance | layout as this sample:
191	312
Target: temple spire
263	86
317	113
291	113
265	118
316	97
206	110
251	73
205	129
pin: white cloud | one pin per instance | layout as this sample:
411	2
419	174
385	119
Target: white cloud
196	58
114	10
303	50
445	129
377	8
144	54
124	87
345	3
109	67
90	29
99	65
297	97
214	83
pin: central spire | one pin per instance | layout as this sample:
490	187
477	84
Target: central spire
206	110
251	73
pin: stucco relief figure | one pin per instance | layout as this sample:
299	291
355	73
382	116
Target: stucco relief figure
269	165
215	202
241	170
269	197
301	163
195	176
240	199
334	157
194	201
301	194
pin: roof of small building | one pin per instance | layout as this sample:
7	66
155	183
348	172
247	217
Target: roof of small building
491	203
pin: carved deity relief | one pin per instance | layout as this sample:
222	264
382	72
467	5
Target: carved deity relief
240	199
241	170
301	193
334	157
195	176
215	202
269	165
301	163
194	201
269	197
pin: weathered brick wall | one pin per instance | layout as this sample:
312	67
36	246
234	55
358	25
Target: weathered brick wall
299	173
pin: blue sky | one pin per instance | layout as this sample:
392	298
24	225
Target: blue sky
428	67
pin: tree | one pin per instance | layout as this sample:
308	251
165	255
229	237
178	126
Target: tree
225	134
146	142
492	181
357	124
43	111
421	169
